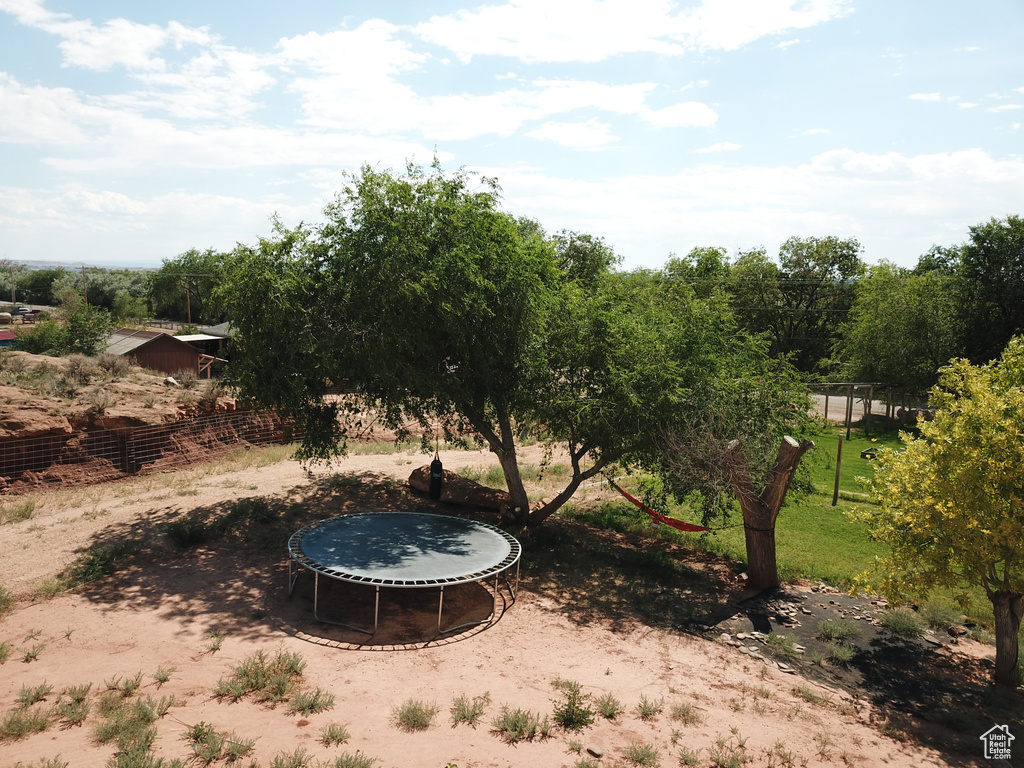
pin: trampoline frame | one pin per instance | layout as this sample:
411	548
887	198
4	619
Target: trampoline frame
298	560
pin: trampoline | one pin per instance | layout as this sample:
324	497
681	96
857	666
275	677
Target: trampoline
406	550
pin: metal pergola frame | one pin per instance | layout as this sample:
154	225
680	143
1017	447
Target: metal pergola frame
499	571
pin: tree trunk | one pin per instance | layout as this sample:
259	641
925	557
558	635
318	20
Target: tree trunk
761	510
1008	608
520	510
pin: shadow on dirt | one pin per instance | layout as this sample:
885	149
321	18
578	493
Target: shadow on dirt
227	564
924	688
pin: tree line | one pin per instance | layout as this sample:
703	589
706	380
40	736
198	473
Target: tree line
816	302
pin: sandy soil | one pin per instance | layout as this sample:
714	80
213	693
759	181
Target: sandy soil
160	615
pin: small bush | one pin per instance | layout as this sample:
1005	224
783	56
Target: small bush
648	709
939	615
841	653
689	757
641	754
686	713
16	512
783	645
22	722
838	630
28	696
609	706
415	715
266	679
469	711
351	760
515	725
187	379
5	652
572	714
335	733
310	702
902	622
300	758
73	712
116	366
6	601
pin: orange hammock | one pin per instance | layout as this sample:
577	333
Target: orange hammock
657	517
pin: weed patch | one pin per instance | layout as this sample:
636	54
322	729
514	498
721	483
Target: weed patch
515	725
266	679
415	715
573	713
469	711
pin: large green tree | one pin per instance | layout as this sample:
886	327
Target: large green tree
951	504
426	301
799	302
903	326
185	287
992	283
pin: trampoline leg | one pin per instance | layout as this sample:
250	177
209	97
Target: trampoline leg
316	612
440	605
293	576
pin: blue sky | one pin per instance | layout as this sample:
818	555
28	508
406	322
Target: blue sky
132	131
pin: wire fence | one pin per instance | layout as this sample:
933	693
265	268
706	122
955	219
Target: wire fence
100	455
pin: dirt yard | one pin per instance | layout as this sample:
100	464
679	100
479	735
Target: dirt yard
190	617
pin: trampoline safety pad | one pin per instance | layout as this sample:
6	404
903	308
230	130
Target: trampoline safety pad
404	550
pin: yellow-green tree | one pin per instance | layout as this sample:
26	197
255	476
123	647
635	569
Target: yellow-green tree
951	504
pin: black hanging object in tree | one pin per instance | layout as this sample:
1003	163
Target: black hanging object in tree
436	477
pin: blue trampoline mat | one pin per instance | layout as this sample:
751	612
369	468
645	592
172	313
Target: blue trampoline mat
404	548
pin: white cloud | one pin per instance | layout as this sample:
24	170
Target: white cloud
1006	108
683	115
788	43
967	104
594	30
591	135
897	205
724	146
816	132
925	96
117	42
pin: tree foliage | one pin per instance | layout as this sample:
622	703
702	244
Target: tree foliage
992	282
903	326
185	287
800	302
951	504
426	301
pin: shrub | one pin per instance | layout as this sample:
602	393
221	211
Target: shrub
686	714
335	733
838	630
515	725
22	722
902	622
16	513
469	711
641	754
310	702
267	680
609	706
648	709
349	760
415	714
572	714
6	601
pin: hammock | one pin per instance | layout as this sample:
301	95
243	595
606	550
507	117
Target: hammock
657	517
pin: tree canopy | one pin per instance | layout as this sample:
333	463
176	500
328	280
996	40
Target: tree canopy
423	299
951	504
903	326
800	301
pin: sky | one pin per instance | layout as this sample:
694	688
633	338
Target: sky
131	132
